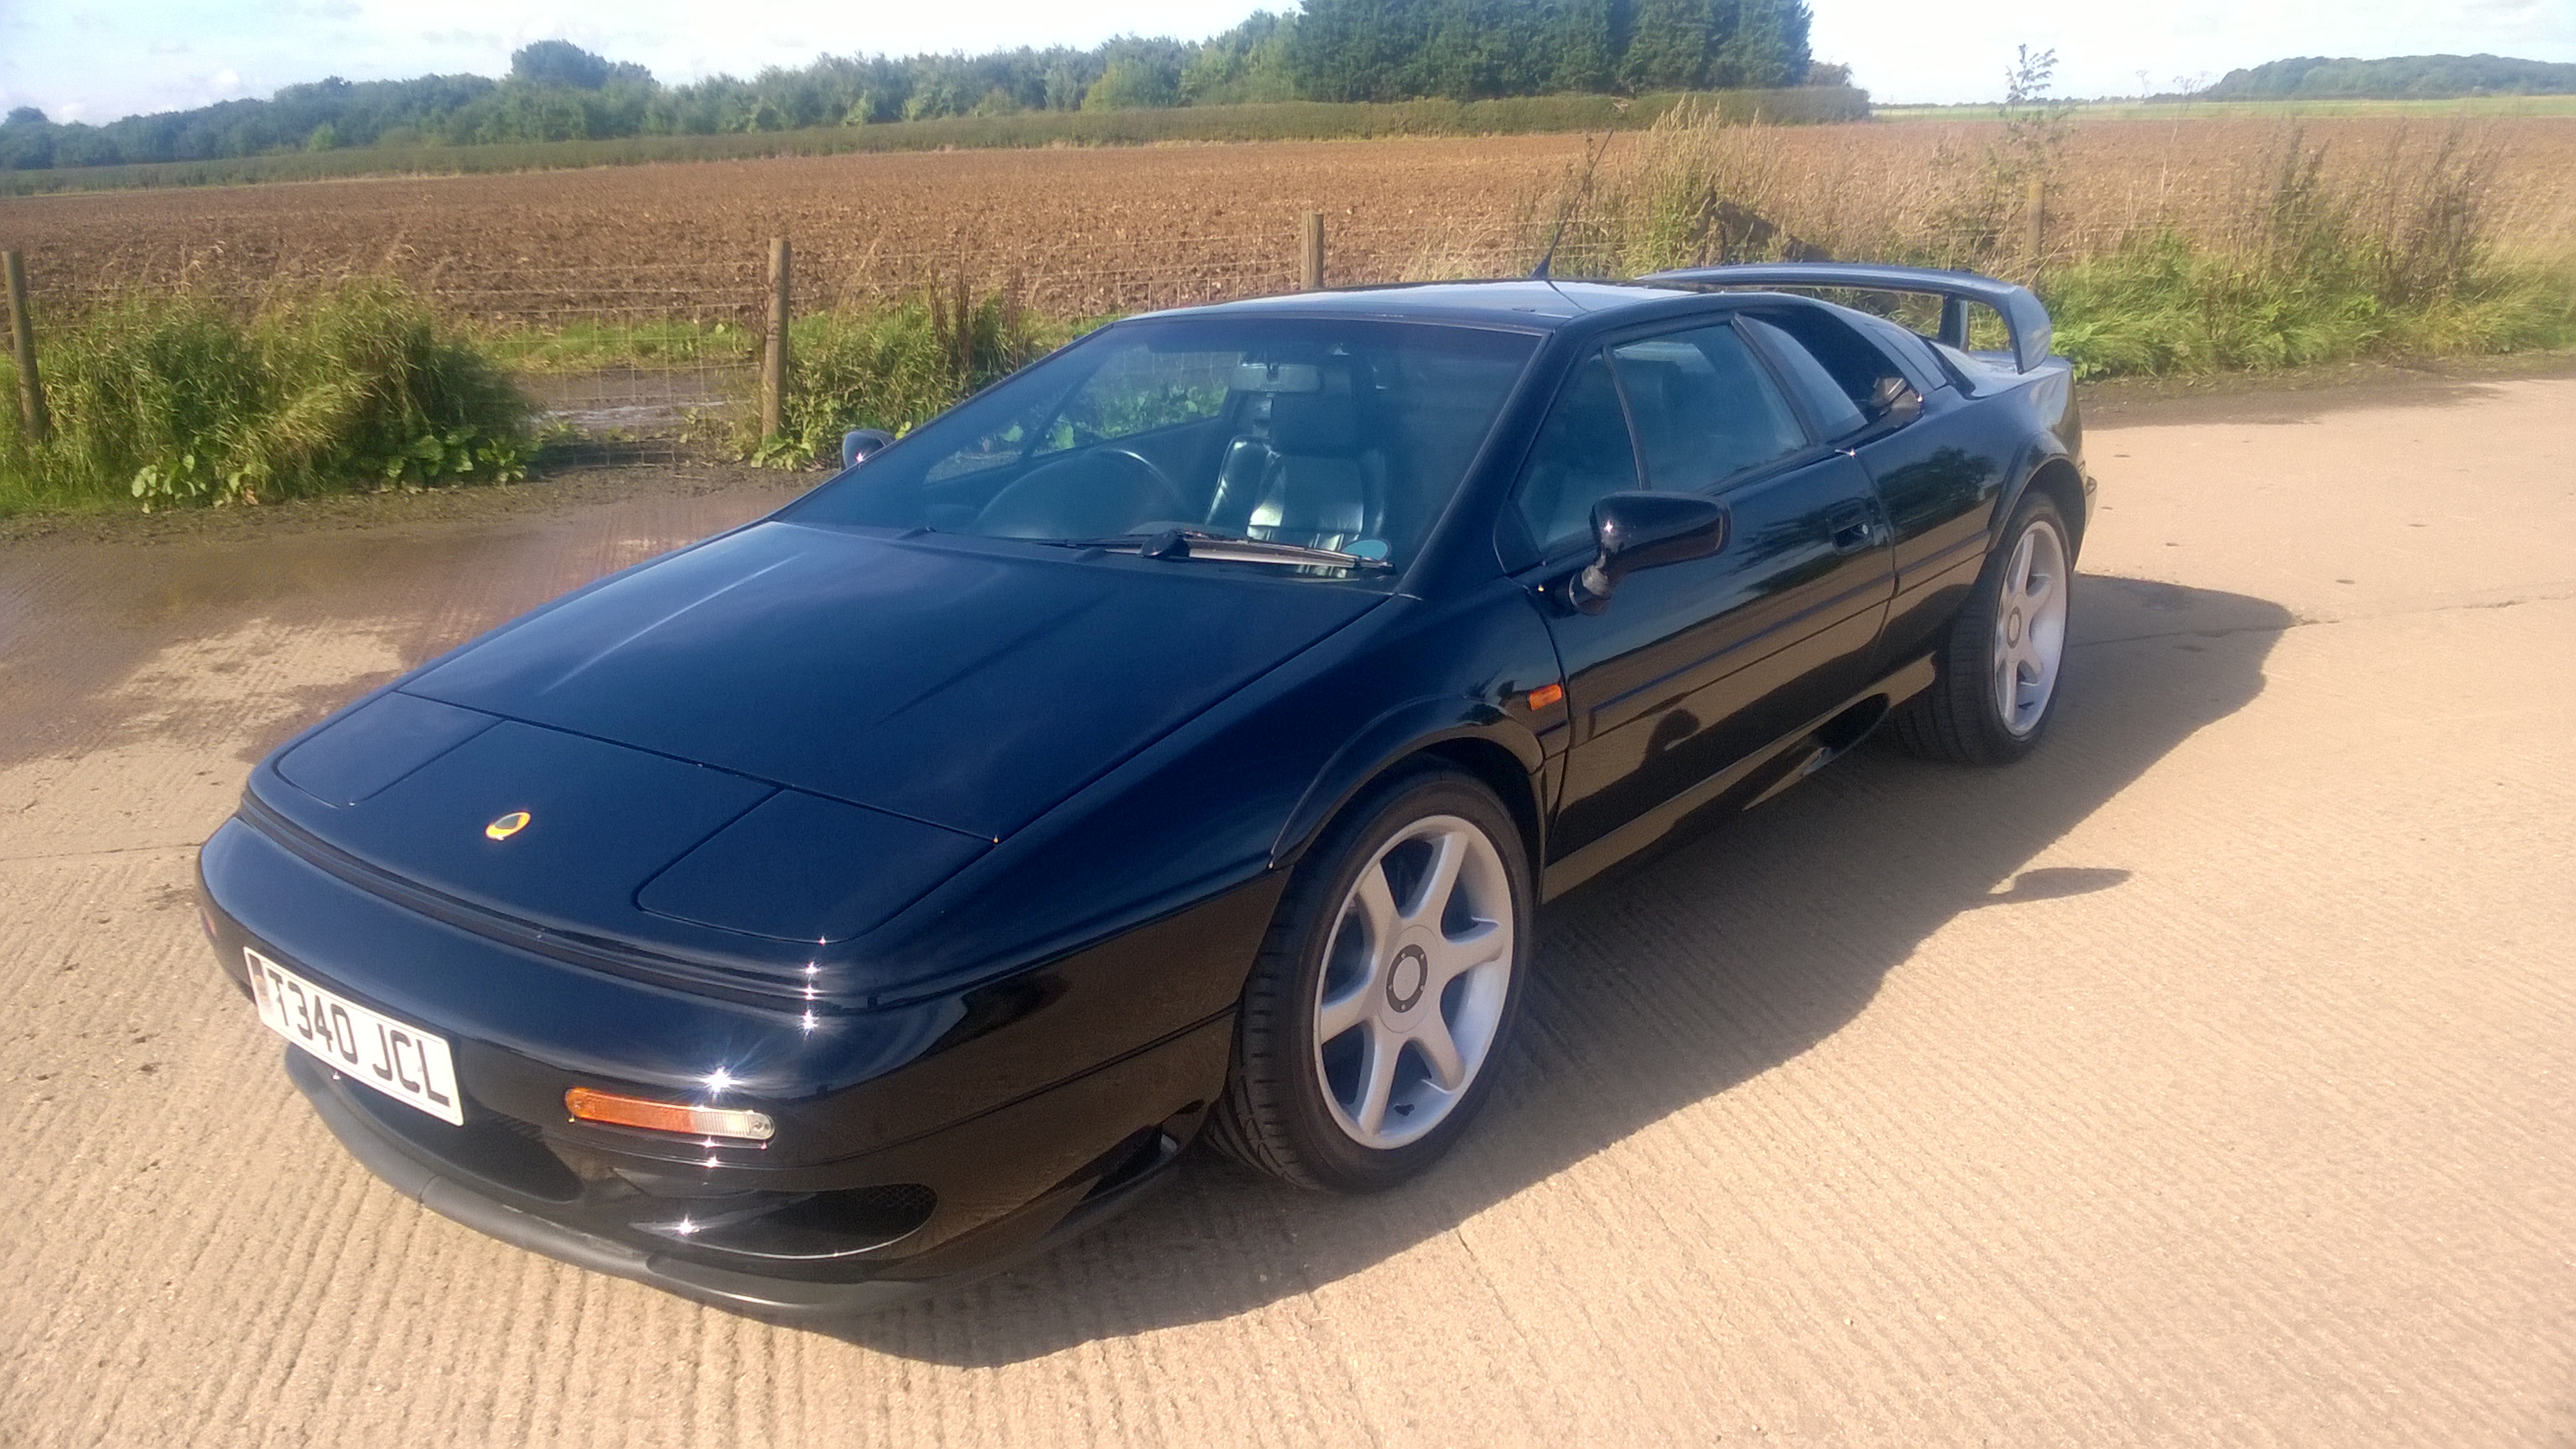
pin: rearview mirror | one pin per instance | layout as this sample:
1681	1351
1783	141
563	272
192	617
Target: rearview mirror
1642	531
858	443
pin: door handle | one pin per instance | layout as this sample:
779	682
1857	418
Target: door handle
1852	527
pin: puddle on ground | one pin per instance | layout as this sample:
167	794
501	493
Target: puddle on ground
107	641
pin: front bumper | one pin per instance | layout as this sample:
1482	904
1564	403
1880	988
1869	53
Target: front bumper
916	1143
457	1194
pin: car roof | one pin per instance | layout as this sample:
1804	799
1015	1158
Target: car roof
1540	305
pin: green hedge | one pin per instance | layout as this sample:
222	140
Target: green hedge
1275	121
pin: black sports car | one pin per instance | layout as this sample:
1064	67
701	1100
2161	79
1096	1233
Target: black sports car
1174	738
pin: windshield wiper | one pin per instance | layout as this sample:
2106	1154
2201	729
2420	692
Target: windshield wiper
1224	547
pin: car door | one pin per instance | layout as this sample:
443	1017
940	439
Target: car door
1936	463
1695	665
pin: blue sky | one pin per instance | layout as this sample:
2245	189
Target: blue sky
85	60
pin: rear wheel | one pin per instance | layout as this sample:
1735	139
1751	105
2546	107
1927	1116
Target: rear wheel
2000	666
1385	990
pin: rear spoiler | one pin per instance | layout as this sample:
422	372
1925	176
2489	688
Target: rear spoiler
2024	318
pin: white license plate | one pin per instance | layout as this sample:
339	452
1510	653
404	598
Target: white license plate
400	1060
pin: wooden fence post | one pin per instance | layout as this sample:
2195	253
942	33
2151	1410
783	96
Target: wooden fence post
773	356
1310	253
2035	221
39	425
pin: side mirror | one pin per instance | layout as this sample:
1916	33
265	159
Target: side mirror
1642	531
858	443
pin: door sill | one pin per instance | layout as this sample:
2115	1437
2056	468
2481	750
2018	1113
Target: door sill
1815	744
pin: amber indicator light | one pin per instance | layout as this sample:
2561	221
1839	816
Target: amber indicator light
1546	695
588	1106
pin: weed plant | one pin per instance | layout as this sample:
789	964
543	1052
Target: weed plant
2394	260
2304	264
895	367
177	400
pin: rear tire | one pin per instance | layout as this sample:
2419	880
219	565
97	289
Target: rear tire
1384	995
2000	668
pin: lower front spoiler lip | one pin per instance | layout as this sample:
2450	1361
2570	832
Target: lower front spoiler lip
781	1300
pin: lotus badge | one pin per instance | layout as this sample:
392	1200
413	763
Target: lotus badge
507	826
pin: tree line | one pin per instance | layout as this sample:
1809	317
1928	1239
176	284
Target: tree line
1328	50
2396	77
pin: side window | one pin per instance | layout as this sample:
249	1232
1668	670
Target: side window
1582	456
1835	413
1866	375
1705	408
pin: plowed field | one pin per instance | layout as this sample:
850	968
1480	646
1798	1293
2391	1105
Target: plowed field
1089	229
1109	229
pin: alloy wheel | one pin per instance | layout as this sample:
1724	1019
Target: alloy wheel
1414	982
2030	627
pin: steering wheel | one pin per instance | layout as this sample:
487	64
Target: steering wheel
1078	497
1152	470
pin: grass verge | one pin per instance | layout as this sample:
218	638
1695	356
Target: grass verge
2398	261
161	401
2163	307
895	367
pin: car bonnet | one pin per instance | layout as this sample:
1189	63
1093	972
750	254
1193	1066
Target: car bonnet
966	687
789	732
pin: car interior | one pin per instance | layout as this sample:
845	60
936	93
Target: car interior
1330	446
1864	374
1703	413
1704	409
1294	453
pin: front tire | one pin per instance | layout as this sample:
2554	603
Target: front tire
1385	991
2001	665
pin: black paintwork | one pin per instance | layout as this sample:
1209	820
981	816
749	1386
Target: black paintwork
952	853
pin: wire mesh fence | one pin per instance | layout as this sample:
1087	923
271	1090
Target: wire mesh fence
663	365
659	360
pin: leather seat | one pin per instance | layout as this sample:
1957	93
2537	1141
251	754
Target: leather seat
1311	480
1239	481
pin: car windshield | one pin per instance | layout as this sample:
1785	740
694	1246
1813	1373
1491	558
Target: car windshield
1346	436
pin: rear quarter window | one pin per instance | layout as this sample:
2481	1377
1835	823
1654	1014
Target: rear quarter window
1922	363
1834	410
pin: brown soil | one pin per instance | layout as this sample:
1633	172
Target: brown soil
1116	229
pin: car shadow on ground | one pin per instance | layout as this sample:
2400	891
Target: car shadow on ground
1665	984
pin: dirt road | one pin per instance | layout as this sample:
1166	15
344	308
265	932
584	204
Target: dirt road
2210	1077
